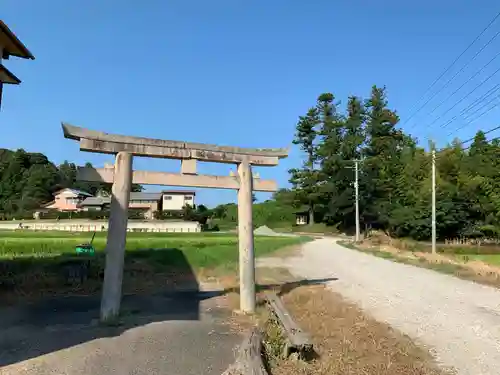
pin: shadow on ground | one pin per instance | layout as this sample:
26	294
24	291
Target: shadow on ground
49	310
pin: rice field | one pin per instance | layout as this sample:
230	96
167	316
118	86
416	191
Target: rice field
200	249
34	263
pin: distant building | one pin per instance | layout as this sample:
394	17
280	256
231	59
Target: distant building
147	203
175	200
301	217
67	200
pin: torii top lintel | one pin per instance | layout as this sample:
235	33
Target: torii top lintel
95	141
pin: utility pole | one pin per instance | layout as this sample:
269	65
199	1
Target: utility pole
433	200
356	188
356	195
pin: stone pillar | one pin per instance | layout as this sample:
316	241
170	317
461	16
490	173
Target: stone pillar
245	239
117	237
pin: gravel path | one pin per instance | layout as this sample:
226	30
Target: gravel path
459	321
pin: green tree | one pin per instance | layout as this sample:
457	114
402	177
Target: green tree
305	179
342	145
382	162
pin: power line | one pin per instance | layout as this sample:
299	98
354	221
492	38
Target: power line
484	96
487	132
463	84
465	97
484	105
475	119
453	63
444	152
472	105
454	76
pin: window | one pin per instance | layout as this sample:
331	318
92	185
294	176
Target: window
188	197
167	197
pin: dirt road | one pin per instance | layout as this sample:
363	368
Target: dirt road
459	321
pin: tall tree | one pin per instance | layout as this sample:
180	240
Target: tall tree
349	136
305	179
382	158
332	133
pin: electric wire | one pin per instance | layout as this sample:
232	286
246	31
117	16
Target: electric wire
452	64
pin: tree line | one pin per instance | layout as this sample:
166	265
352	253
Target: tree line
28	180
395	173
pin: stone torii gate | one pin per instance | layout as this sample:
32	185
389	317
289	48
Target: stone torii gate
122	176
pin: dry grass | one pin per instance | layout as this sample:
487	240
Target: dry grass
346	340
349	342
475	270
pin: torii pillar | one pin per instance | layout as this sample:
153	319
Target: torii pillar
245	238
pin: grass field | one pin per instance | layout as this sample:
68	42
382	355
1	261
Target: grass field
34	262
200	249
493	259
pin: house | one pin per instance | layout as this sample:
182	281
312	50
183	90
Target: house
95	203
175	200
67	200
147	203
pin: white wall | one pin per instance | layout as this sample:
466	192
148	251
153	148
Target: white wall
98	226
176	201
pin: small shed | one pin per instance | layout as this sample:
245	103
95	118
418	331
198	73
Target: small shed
301	217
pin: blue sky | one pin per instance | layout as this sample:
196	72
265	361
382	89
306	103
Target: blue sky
230	72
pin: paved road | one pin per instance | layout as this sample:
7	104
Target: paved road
174	334
458	320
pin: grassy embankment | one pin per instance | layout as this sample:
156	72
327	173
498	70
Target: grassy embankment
475	263
32	263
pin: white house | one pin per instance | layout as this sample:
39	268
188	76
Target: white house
175	200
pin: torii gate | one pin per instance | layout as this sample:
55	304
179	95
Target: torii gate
122	177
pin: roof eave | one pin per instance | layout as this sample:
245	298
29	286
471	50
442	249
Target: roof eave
24	52
11	79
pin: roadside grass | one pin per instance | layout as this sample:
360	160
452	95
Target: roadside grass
493	259
479	268
346	340
35	264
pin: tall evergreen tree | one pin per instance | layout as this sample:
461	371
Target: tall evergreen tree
305	179
342	206
382	154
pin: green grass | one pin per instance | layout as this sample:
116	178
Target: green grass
493	259
35	264
200	249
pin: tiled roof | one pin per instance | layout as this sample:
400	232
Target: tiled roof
185	192
145	196
99	201
95	201
74	191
